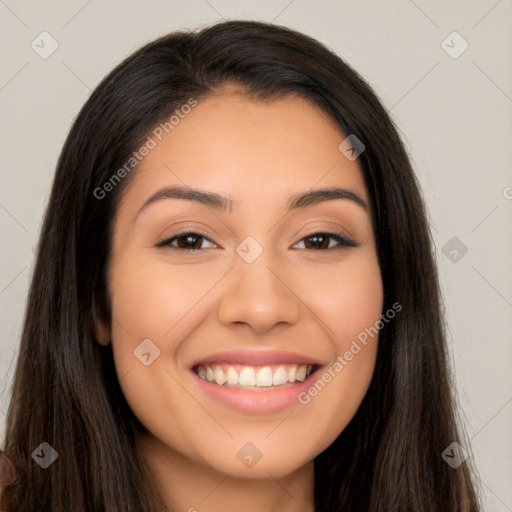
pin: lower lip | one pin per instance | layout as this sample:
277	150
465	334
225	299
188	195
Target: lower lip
256	402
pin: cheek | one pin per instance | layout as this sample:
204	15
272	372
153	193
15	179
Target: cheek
350	305
148	297
347	299
149	302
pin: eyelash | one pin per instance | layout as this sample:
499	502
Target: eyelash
343	241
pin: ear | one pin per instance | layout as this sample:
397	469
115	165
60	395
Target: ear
101	328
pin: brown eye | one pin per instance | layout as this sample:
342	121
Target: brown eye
187	241
322	241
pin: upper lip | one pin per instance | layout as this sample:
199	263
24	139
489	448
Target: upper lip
257	358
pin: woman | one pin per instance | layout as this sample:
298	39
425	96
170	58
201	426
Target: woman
235	304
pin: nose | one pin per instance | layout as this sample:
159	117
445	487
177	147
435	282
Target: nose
259	294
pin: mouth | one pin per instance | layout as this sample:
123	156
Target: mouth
254	382
255	378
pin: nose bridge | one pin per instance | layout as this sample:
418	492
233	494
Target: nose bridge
257	292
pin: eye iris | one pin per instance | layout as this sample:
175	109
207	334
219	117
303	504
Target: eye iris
321	239
189	240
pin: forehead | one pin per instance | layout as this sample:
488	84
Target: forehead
244	147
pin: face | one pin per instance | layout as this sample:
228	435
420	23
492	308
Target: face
226	312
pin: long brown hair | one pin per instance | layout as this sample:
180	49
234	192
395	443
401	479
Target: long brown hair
65	390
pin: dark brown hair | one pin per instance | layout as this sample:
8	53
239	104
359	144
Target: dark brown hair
65	389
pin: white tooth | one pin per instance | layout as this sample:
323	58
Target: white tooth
201	372
232	376
301	372
280	377
264	377
218	375
209	374
247	377
291	373
309	370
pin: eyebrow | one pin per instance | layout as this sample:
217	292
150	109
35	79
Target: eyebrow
221	203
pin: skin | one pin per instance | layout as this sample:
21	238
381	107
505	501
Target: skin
292	297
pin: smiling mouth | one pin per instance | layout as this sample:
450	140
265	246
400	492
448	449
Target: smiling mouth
255	378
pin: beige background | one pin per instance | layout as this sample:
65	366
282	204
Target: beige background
455	114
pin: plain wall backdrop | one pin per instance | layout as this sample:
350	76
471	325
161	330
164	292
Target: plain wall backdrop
443	69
